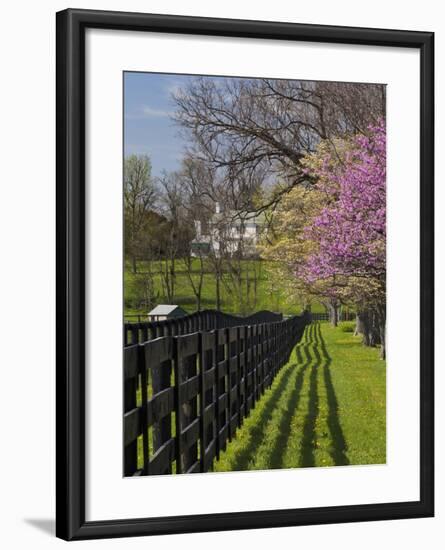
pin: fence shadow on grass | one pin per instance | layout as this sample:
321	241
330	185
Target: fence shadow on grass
307	457
281	442
339	445
311	356
258	431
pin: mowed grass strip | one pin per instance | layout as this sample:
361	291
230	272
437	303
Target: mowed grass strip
326	407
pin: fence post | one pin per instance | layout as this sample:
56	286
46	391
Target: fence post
144	397
222	387
130	403
217	389
134	334
240	375
161	380
249	374
254	365
186	407
208	432
233	379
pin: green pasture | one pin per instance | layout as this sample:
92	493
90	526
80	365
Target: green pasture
271	294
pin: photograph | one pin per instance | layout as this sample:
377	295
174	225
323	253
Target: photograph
254	274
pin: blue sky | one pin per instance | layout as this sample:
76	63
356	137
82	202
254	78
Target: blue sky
148	127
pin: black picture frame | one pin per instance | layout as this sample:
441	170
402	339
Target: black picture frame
70	172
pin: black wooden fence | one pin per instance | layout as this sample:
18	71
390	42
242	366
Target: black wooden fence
208	319
186	394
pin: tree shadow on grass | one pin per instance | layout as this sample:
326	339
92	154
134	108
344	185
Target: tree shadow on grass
281	442
339	445
257	432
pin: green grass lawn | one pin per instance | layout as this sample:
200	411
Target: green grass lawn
326	407
270	294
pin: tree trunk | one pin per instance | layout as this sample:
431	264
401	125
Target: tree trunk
369	326
359	323
333	314
218	293
381	314
382	343
255	287
134	264
365	328
173	277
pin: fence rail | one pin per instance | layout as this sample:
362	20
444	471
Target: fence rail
342	316
209	319
186	394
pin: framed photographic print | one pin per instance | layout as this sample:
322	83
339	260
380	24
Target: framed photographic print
244	274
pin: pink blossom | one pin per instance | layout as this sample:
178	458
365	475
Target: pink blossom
350	233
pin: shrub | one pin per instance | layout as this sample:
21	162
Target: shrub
347	326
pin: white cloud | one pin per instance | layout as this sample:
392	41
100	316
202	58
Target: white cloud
151	112
173	89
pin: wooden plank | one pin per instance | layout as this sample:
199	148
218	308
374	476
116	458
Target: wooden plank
207	369
233	423
232	334
130	403
132	426
144	424
209	455
209	378
222	370
195	468
222	402
134	331
178	447
231	349
209	414
223	435
190	389
158	359
221	337
188	344
190	434
187	410
208	340
160	462
158	350
233	395
160	405
221	377
233	364
131	361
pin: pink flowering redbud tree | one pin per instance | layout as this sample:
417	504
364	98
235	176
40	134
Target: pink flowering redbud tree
349	232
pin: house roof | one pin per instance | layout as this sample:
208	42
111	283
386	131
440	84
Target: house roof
235	217
164	309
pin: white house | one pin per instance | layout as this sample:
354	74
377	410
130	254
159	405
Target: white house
228	231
